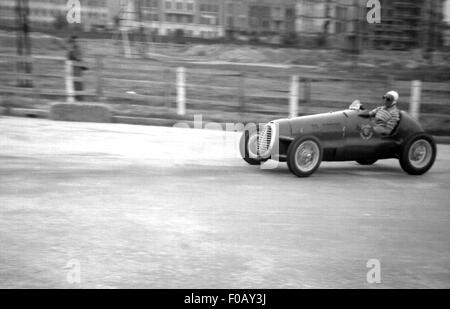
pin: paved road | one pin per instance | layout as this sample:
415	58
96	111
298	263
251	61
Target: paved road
154	207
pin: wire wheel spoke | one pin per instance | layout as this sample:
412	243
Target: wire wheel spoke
420	153
307	156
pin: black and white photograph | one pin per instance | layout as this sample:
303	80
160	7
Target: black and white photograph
206	145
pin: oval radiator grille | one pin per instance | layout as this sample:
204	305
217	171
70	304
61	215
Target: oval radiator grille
264	140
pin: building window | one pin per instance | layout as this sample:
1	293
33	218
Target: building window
208	20
168	5
341	27
169	18
341	13
179	5
152	3
230	21
204	20
230	8
341	18
277	13
209	8
154	17
190	6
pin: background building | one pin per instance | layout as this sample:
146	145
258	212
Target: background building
213	18
236	17
330	22
189	18
263	18
275	17
47	13
404	24
408	24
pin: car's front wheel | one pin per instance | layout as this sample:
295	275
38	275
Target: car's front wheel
304	156
418	154
248	147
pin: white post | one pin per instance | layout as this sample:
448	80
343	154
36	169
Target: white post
70	93
414	105
126	44
181	91
293	100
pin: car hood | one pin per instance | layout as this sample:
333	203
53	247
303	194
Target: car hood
308	123
282	126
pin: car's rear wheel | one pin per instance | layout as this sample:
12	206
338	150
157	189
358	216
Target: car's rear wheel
248	147
367	161
418	154
304	156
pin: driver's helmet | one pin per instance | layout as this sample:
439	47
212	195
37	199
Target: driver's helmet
393	96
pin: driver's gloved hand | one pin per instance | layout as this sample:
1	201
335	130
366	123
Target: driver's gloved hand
364	114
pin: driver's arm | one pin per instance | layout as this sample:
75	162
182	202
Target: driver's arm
365	114
373	112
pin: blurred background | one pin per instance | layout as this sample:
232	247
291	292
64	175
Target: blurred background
228	60
159	207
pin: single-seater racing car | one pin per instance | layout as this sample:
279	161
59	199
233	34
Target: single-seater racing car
304	142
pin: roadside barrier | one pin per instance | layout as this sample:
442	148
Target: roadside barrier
145	88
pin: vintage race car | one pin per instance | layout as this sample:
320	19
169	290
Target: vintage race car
304	142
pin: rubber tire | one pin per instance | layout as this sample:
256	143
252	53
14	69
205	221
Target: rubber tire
243	147
404	158
367	161
291	155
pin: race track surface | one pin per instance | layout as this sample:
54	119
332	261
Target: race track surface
155	207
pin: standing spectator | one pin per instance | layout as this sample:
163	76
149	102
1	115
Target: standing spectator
74	54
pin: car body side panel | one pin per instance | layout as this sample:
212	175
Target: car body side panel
408	126
360	140
345	136
363	143
329	128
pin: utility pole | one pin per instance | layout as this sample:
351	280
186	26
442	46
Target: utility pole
125	22
433	28
23	41
356	46
427	21
326	25
357	25
141	27
437	20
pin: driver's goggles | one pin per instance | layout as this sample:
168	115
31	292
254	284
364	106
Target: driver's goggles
388	98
